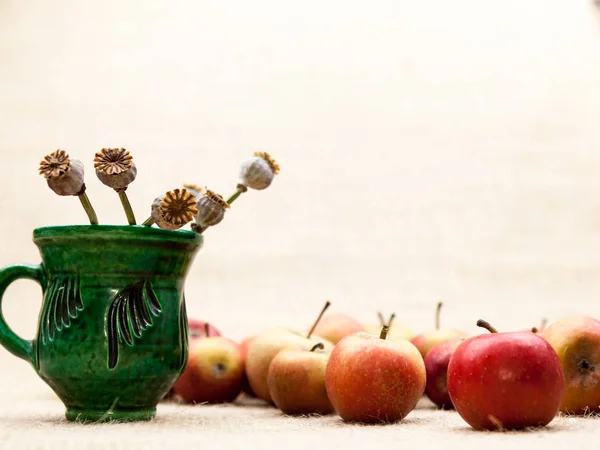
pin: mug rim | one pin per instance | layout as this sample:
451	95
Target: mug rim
132	231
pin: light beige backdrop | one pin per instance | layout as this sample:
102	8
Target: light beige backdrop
430	151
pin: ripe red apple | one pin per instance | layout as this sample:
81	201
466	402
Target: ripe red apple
397	330
436	366
425	341
372	380
576	339
265	346
214	371
505	380
296	381
199	329
244	345
335	327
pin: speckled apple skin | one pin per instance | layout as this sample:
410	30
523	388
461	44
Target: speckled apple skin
296	382
426	341
372	380
200	382
575	339
436	366
506	381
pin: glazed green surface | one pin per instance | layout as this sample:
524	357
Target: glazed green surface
112	330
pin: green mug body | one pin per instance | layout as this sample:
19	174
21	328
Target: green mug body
112	330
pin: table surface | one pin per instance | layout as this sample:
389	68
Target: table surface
429	151
34	419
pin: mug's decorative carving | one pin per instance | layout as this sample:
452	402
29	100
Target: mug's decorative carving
62	305
129	315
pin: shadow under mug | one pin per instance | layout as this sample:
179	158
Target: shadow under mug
112	331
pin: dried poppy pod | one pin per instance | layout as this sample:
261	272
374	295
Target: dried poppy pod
63	175
256	173
116	169
66	177
174	209
211	210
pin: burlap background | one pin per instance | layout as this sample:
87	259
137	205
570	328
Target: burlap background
429	150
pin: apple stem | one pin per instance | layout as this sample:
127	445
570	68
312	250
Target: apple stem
384	331
327	303
534	329
206	329
544	323
317	346
381	319
437	315
392	317
483	324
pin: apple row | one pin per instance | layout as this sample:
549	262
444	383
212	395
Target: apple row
377	373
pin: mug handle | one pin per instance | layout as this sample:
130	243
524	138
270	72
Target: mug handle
8	339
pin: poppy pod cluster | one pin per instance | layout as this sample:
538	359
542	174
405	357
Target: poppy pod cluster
172	210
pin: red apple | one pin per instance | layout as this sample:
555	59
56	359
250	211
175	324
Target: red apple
425	341
296	381
576	339
214	371
436	366
334	327
265	347
505	380
372	380
244	345
198	329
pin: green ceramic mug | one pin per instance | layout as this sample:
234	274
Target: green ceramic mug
112	330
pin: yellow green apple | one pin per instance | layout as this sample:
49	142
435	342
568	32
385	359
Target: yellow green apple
576	340
296	381
265	346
